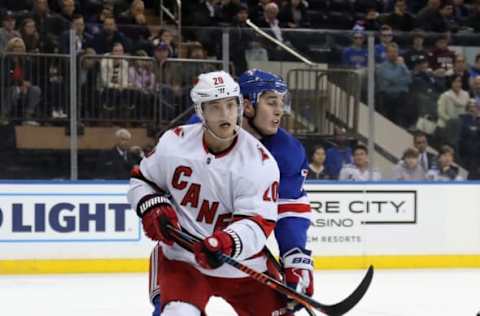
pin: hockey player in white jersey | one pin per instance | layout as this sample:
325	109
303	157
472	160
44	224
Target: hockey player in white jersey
224	189
265	97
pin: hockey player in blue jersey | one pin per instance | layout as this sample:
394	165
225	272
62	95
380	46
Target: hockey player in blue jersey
265	96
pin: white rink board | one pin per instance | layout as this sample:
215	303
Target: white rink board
69	221
395	219
86	220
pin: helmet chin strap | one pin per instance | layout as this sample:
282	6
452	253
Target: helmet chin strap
219	138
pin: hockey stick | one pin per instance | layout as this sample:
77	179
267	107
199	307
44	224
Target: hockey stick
337	309
279	269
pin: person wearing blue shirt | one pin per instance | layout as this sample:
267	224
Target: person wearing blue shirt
356	56
338	155
386	38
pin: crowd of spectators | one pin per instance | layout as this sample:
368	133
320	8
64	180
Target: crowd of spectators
424	85
132	78
344	158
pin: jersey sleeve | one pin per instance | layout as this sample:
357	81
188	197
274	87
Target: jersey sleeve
293	208
255	209
149	177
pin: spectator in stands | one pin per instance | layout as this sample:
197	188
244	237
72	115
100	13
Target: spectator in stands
88	77
425	90
386	38
316	167
294	15
440	21
142	81
49	24
94	22
417	49
83	39
30	36
22	96
359	169
257	11
475	91
230	10
114	76
365	5
459	70
57	5
208	13
400	19
356	56
165	86
240	40
469	141
56	89
339	154
137	7
427	159
7	32
68	11
371	21
161	53
445	171
473	21
134	25
409	167
394	79
103	41
460	12
166	36
118	161
451	105
270	22
427	13
191	71
475	69
441	56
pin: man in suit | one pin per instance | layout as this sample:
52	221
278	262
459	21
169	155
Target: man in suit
120	159
426	160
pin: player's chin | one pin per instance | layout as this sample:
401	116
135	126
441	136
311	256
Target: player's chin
225	132
270	131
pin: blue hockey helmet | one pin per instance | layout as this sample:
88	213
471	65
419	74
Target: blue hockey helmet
253	83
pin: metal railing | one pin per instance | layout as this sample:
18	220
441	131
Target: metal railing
137	89
34	86
321	98
110	89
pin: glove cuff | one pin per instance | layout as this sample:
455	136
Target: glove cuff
297	258
237	246
150	201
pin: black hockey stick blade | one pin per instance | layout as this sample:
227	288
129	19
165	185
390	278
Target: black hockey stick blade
337	309
348	303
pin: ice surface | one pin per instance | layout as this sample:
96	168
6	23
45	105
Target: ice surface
392	293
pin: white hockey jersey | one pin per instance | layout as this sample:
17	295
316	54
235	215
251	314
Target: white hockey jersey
237	188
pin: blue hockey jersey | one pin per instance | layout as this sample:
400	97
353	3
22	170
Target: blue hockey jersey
294	206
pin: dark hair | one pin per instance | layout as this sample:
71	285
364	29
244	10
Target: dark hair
418	134
446	149
454	78
360	147
477	58
77	16
317	147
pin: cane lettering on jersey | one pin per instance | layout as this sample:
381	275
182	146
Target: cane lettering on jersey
192	196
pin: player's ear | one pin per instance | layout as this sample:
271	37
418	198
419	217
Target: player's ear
248	109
